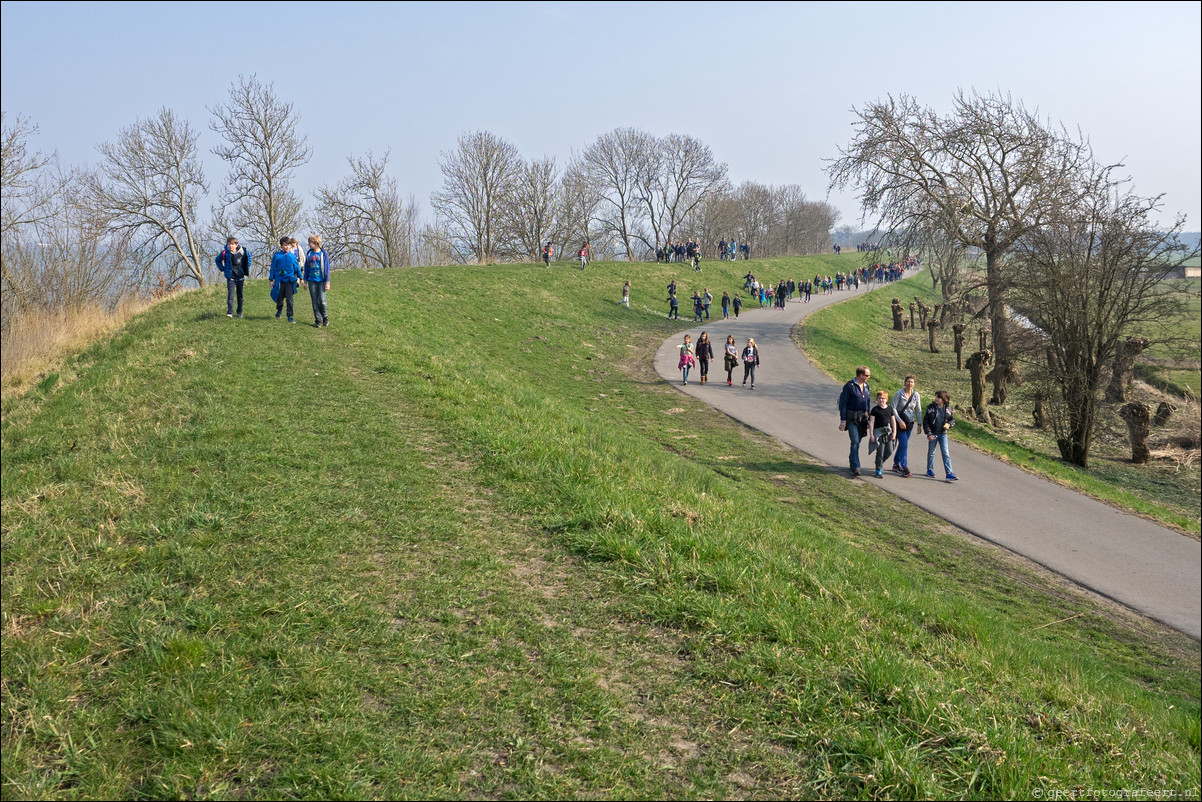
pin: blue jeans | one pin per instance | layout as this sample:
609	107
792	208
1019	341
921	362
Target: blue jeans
853	432
317	295
901	456
940	441
233	289
684	373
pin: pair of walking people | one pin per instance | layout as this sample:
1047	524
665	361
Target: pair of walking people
287	272
889	425
702	353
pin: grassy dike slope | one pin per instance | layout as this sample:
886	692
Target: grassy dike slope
860	331
463	543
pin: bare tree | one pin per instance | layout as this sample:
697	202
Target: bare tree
682	174
1090	276
532	217
479	179
148	186
619	165
580	207
263	148
992	170
29	192
364	217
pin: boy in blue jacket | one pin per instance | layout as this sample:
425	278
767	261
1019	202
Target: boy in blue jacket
317	276
285	272
234	263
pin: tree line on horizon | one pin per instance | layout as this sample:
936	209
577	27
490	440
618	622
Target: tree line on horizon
135	220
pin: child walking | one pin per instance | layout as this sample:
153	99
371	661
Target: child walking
882	430
935	425
732	358
686	358
317	276
285	273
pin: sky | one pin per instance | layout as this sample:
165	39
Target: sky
770	87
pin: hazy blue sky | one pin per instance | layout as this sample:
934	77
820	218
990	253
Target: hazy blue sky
768	86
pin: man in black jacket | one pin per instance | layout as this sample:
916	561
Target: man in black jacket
854	403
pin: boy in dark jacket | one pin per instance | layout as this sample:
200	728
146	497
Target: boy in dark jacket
234	263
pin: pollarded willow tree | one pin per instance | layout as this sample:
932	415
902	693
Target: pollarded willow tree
991	171
1092	275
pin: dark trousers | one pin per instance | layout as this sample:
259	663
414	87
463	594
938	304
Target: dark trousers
705	367
287	288
233	288
748	371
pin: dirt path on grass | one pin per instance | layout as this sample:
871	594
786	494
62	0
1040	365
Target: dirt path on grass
1142	565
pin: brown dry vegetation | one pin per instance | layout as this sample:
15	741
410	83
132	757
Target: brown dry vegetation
36	342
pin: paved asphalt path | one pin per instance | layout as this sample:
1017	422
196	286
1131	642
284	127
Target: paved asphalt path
1126	558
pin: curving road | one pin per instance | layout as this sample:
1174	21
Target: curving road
1133	561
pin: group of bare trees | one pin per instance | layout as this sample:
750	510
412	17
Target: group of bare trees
627	193
1063	240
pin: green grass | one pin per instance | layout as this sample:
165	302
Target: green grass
465	544
859	331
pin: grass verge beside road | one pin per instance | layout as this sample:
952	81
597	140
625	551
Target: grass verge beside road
463	548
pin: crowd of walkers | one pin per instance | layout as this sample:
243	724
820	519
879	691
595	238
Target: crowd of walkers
290	270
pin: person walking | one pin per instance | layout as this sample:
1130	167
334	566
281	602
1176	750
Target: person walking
583	254
751	361
547	250
673	305
732	358
935	425
697	307
737	304
687	360
626	295
725	305
706	299
705	352
234	263
285	273
854	403
882	430
906	403
317	277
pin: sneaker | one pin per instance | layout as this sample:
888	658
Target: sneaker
897	468
878	473
906	474
291	320
317	324
931	474
239	315
855	472
753	387
325	322
277	315
227	314
951	477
